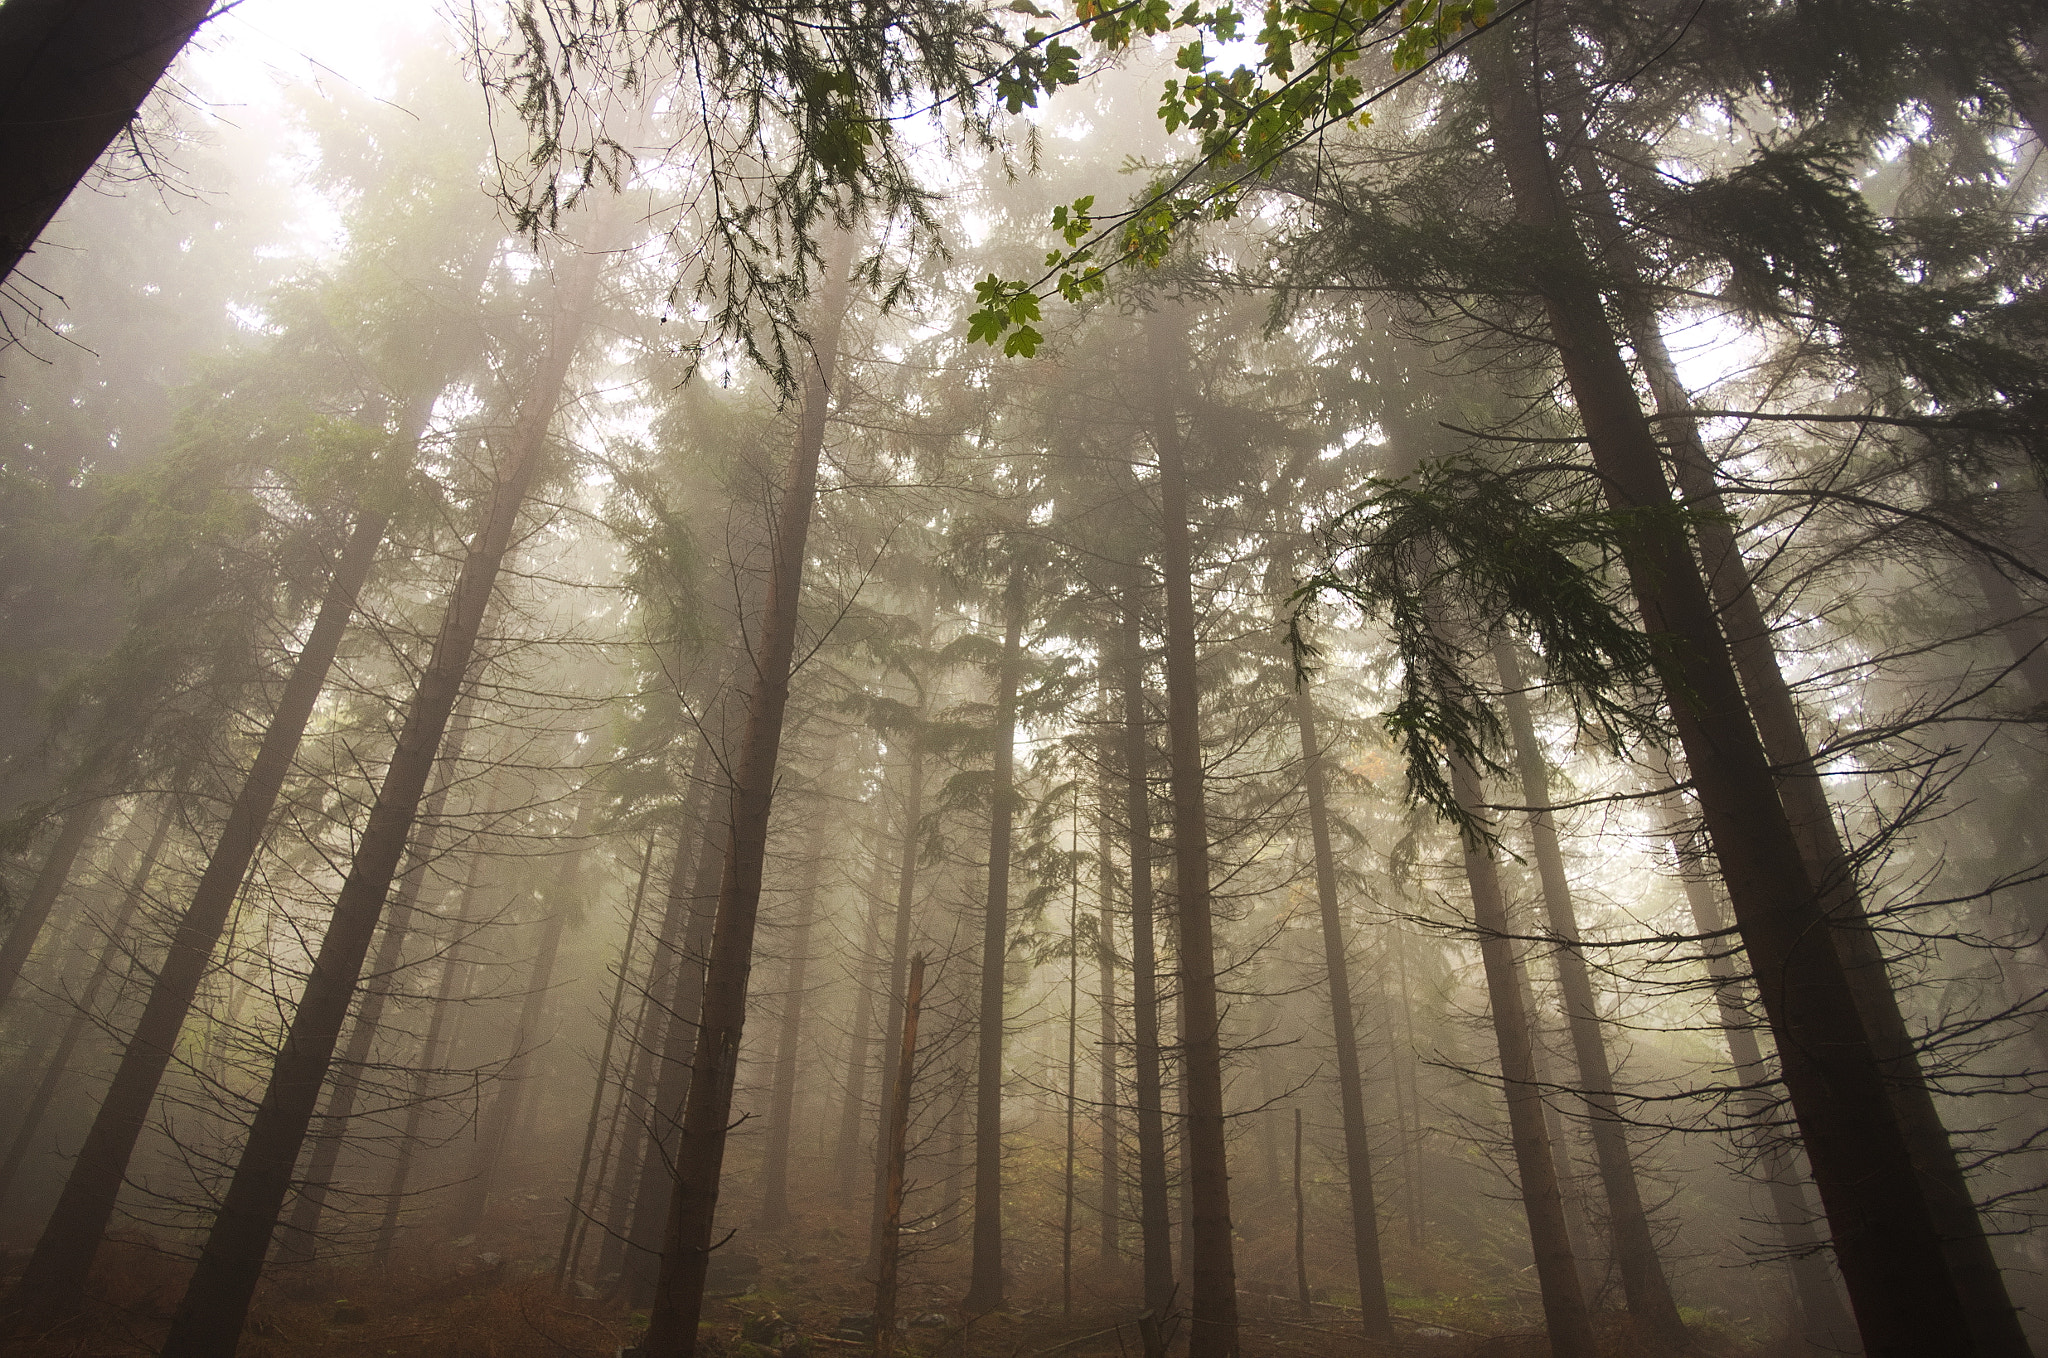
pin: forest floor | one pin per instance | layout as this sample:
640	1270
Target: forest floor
491	1295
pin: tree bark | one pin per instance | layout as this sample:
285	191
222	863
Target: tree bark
1154	1214
73	74
1565	1316
985	1284
1213	1333
1643	1282
73	830
1377	1319
1905	1297
1110	1173
209	1319
846	1155
899	959
700	1158
782	1098
896	1144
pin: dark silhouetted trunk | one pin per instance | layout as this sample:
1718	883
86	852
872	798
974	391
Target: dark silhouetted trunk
1154	1214
1365	1231
209	1319
574	1228
1824	1320
899	960
1109	1207
75	71
985	1278
782	1097
1214	1304
1643	1282
1300	1227
846	1156
87	1016
895	1149
700	1157
1905	1296
1565	1317
1073	1064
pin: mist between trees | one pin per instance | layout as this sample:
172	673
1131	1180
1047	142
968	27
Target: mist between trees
804	679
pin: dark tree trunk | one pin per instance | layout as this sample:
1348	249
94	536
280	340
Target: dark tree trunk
1154	1214
985	1279
700	1158
1904	1293
1365	1231
846	1155
1214	1330
895	1149
782	1098
209	1319
1302	1295
573	1229
1109	1206
87	1016
899	959
75	71
1824	1320
1643	1282
73	830
1566	1319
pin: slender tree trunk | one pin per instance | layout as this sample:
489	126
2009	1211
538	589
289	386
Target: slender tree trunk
1301	1289
1905	1296
502	1118
578	1221
1214	1330
896	1144
1365	1232
73	830
434	1047
1635	1251
1109	1208
1980	1285
1565	1315
687	1241
899	960
1824	1319
209	1319
1154	1222
302	1231
846	1155
985	1280
76	71
87	1016
782	1099
63	1256
1073	1062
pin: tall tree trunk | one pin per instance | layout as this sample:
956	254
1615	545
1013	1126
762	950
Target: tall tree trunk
302	1230
74	828
782	1098
1565	1316
895	1150
87	1016
1365	1231
1824	1320
64	1254
700	1157
76	71
1994	1323
846	1153
578	1221
1073	1061
985	1278
899	960
1643	1282
1302	1294
1214	1330
1904	1293
209	1319
1154	1214
1109	1207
